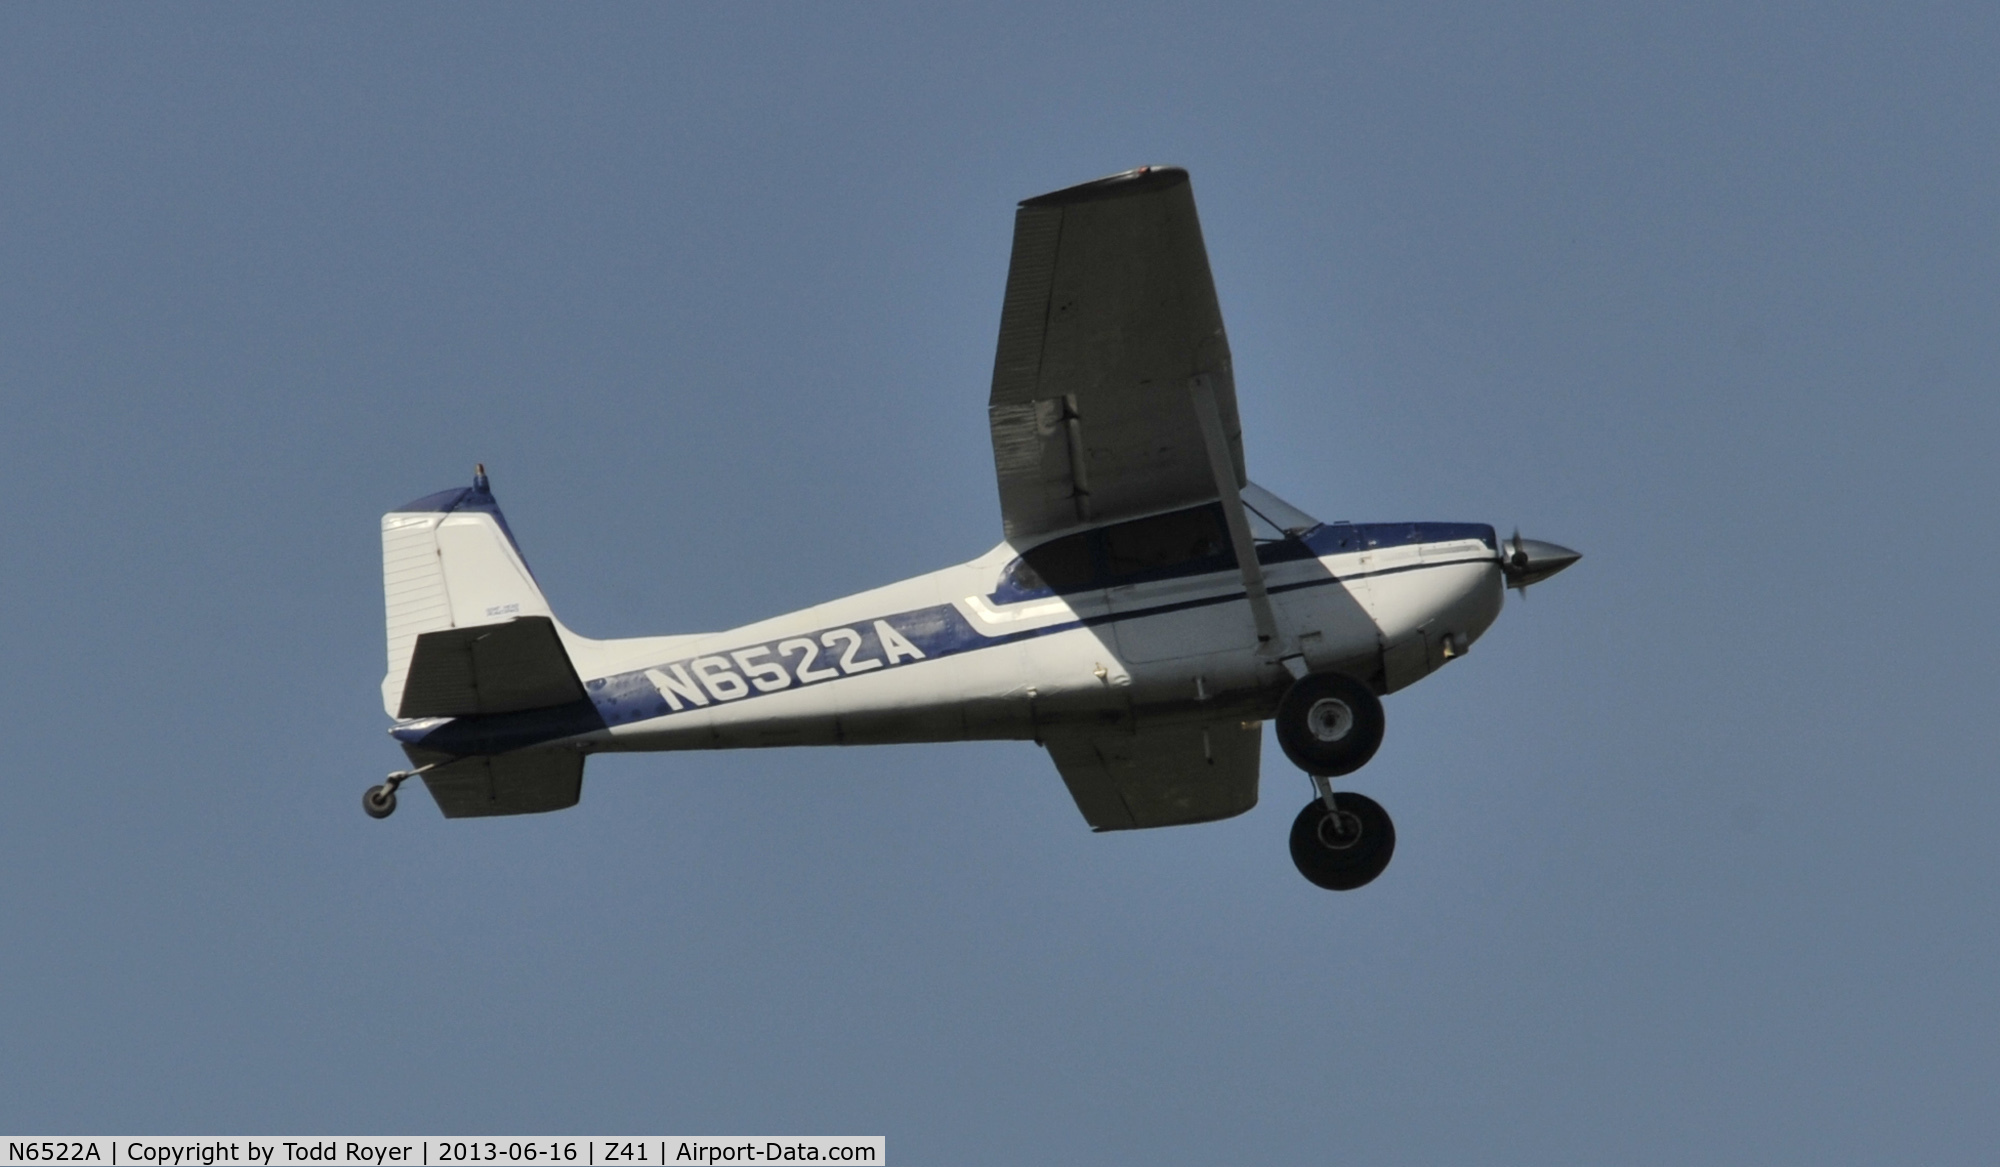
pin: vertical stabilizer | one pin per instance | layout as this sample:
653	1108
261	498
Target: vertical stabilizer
449	561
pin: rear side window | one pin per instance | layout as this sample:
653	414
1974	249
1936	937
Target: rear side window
1061	565
1168	544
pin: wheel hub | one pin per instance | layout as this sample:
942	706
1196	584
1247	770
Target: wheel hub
1329	719
1339	830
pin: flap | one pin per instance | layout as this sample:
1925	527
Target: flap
491	668
1110	313
527	782
1161	776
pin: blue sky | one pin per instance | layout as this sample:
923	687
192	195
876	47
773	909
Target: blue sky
1695	857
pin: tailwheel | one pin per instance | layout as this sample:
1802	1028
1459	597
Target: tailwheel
379	801
1342	841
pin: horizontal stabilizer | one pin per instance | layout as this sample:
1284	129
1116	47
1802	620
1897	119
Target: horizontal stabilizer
489	668
528	782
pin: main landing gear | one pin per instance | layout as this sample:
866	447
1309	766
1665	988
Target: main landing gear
1342	841
1330	725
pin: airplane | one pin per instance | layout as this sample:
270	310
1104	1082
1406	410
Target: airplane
1147	608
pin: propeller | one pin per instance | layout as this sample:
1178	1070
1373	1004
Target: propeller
1527	561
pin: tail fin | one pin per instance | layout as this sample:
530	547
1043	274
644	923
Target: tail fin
449	561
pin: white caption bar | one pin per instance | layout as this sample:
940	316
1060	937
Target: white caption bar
434	1151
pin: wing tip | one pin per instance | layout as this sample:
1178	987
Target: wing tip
1137	181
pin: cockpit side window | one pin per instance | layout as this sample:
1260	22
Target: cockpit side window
1163	543
1180	543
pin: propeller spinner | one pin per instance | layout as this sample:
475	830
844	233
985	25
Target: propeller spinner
1527	561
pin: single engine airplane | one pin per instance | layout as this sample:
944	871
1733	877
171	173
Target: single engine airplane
1147	609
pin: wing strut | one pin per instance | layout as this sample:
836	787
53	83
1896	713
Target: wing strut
1224	467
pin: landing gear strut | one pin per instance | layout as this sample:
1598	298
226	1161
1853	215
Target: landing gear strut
1331	724
380	801
1342	841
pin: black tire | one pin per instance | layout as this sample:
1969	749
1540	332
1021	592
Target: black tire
379	802
1348	856
1329	724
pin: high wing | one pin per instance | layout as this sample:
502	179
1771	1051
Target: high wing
1110	314
1162	776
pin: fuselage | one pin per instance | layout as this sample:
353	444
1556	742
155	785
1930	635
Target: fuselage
1113	627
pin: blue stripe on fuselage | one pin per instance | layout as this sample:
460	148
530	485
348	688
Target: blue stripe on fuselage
791	662
824	655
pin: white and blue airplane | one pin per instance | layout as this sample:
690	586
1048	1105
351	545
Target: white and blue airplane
1147	609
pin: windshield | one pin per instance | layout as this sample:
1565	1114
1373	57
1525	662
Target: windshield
1271	517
